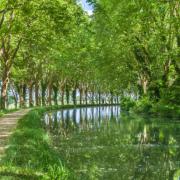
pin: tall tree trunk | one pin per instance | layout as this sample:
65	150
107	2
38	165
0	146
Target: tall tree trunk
50	94
74	97
144	84
112	98
14	95
62	95
80	94
67	95
55	89
4	88
43	93
24	95
37	94
31	104
92	98
20	93
8	55
103	100
117	99
86	96
99	97
21	99
166	73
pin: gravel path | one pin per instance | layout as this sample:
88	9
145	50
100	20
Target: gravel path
7	124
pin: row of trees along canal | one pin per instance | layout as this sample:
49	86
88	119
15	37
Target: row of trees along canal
51	49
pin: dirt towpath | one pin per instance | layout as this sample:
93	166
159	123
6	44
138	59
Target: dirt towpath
7	124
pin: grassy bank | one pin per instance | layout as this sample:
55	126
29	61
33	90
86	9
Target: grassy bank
30	154
147	107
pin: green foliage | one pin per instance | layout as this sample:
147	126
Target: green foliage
176	174
146	106
171	96
57	172
127	103
143	105
138	47
123	48
172	111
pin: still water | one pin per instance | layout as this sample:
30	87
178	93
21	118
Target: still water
105	143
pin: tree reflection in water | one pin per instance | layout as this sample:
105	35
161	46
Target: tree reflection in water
103	143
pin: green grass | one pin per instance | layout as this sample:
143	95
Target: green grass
30	154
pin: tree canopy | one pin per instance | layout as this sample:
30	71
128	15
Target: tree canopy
52	49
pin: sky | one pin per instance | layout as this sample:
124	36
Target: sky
88	8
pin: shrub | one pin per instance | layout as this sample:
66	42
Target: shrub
144	105
166	110
127	103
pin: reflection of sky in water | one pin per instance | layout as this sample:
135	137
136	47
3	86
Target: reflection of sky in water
79	114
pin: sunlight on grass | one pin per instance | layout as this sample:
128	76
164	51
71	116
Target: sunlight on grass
30	154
